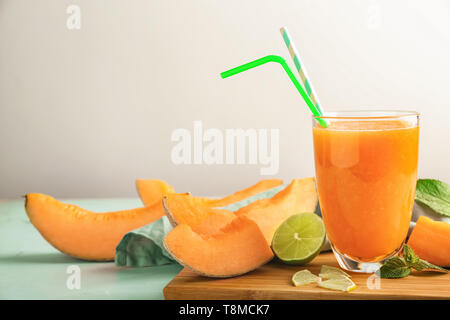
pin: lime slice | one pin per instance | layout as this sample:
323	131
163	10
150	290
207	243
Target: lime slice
299	239
328	272
341	284
304	277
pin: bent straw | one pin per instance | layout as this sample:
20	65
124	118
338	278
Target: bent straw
273	58
301	70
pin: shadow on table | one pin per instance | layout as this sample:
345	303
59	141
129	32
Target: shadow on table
131	272
39	258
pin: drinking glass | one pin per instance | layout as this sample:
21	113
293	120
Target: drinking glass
366	172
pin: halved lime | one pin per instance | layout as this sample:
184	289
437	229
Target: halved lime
328	272
304	277
299	239
341	284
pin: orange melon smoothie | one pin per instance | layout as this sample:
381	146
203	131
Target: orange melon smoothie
366	171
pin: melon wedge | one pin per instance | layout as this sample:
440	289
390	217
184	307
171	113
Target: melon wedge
430	240
300	196
82	233
238	248
151	190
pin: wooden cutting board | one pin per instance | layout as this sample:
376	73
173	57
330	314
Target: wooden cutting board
273	281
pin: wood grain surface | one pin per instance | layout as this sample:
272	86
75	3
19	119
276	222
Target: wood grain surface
273	281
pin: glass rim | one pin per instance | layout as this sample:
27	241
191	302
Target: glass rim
368	114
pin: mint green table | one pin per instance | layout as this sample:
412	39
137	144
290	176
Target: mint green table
30	268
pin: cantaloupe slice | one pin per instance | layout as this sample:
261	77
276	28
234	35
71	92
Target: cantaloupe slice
238	248
148	189
82	233
152	190
430	240
300	196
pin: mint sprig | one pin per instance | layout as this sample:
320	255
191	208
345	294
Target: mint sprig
400	267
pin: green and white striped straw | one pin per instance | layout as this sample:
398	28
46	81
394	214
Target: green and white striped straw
300	68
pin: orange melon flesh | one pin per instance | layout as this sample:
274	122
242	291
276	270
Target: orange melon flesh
259	187
238	248
82	233
430	240
300	196
151	191
214	222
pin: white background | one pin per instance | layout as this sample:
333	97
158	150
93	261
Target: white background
84	113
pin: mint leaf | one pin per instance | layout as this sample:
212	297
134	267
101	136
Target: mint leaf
434	194
395	267
409	255
423	265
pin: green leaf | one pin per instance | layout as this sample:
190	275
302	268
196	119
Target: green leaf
434	194
395	267
409	255
423	265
